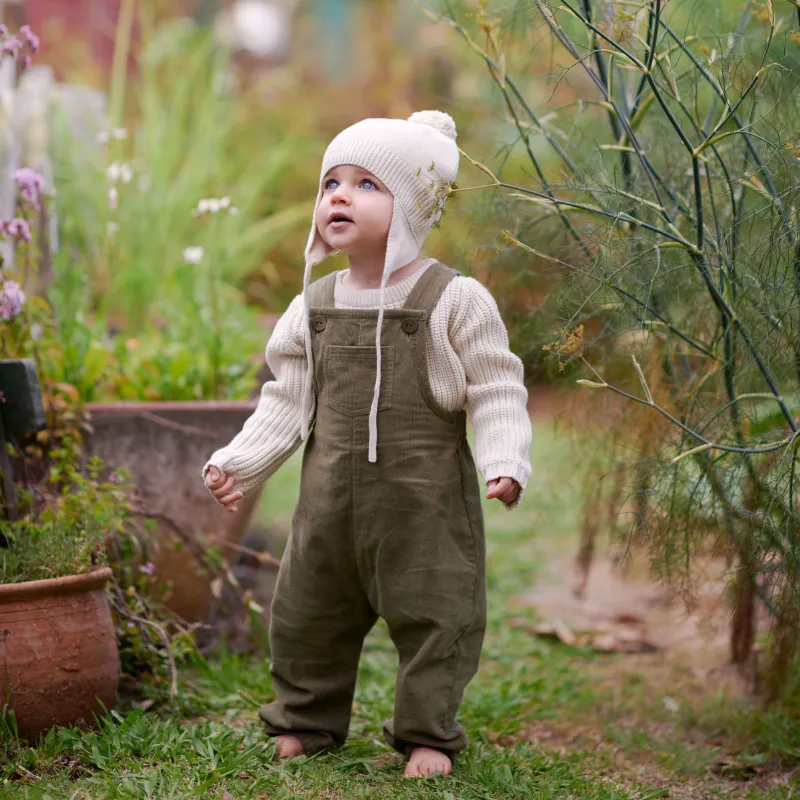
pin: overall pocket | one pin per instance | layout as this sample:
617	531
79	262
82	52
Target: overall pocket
350	378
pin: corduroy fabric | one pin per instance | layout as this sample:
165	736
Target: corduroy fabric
401	539
470	365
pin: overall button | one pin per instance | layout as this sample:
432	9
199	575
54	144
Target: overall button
318	324
410	325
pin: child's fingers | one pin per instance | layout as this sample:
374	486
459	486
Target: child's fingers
213	477
230	498
224	489
498	487
511	497
493	489
506	490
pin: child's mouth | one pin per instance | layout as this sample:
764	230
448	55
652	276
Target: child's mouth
339	221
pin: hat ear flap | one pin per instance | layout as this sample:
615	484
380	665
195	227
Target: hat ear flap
316	248
402	245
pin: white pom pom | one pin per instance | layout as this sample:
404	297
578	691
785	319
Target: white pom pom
442	122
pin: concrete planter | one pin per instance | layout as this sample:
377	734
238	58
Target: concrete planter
164	446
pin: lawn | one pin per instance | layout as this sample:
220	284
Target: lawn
545	720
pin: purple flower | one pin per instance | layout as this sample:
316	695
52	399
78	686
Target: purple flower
16	228
3	30
30	184
148	569
11	46
26	62
30	38
11	300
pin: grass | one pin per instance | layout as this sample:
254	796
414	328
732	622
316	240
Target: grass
542	719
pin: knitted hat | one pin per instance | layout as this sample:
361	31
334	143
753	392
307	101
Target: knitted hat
417	160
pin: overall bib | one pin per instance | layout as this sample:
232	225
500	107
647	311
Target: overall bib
401	538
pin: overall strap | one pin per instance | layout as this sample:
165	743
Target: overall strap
320	293
429	287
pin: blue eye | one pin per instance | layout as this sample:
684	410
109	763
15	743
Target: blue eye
370	184
331	183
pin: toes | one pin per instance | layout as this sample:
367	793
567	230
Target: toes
423	765
288	747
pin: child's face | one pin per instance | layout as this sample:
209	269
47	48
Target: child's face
355	212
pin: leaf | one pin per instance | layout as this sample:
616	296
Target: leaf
642	380
268	232
94	364
69	390
556	630
255	607
592	384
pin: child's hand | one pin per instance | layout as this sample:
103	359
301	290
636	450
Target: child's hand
505	489
221	486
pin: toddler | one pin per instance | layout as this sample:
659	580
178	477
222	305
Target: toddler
374	366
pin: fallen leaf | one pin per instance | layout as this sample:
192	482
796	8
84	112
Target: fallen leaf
604	643
730	765
556	630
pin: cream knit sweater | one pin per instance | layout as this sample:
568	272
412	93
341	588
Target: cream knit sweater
470	366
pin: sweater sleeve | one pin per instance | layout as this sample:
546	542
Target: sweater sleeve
495	393
272	432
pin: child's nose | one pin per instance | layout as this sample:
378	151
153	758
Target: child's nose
341	195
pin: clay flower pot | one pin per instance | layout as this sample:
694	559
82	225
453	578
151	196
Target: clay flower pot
58	654
164	446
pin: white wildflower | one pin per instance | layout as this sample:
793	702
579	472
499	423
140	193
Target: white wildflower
113	198
102	137
202	208
193	255
671	705
119	172
36	331
120	133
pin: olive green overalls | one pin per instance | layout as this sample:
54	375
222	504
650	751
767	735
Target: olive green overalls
401	538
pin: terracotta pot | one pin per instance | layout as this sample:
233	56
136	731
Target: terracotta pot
164	446
58	653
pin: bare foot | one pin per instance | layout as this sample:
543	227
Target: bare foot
288	747
425	761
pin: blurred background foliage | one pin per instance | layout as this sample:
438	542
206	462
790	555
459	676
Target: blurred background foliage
208	119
